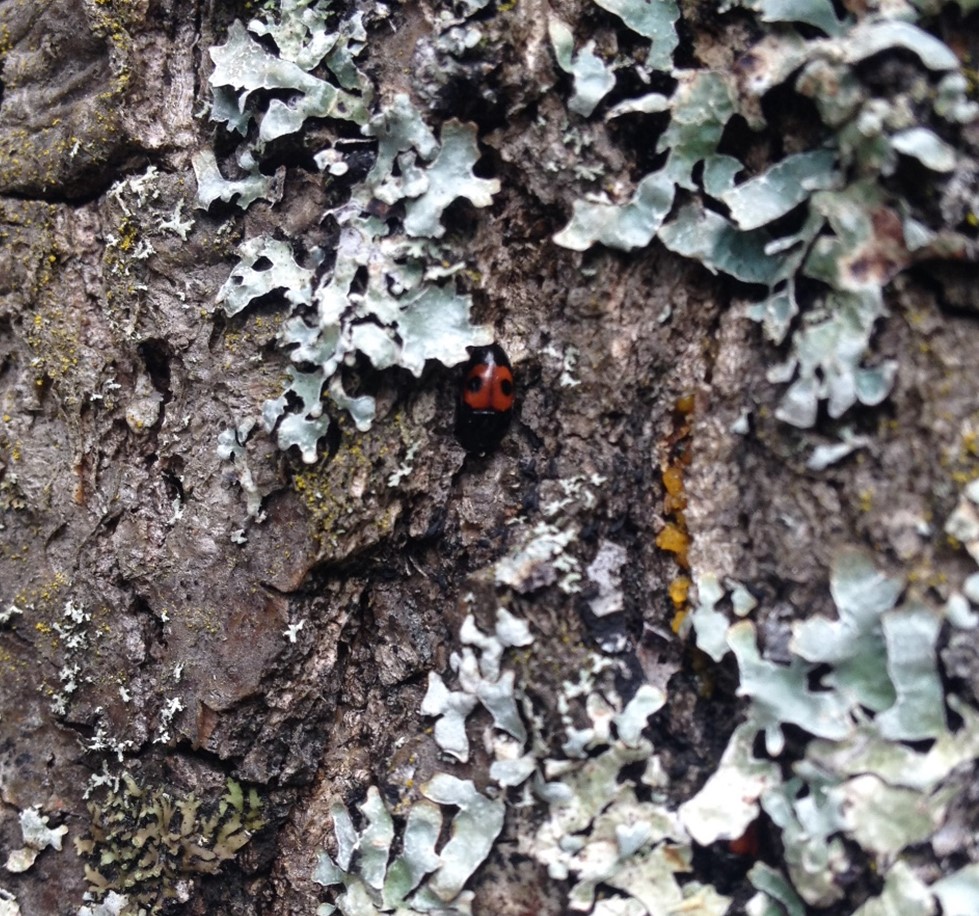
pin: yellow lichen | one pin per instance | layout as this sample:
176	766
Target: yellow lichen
674	538
685	404
678	591
676	541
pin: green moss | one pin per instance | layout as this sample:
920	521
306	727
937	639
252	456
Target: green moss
32	263
47	157
142	841
326	487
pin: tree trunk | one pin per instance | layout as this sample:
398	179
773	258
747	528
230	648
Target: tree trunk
696	636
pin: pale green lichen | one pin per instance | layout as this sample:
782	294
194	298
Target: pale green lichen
818	13
625	226
113	905
709	623
428	874
654	20
265	265
481	682
855	233
37	837
449	177
770	195
605	574
592	79
231	447
776	896
541	560
599	831
863	684
388	296
212	185
242	66
879	686
963	523
729	801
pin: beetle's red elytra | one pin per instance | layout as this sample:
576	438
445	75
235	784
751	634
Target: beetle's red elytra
489	386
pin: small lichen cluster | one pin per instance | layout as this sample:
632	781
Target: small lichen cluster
597	827
140	212
429	874
963	526
539	556
37	836
147	844
387	292
8	903
482	682
854	225
73	636
601	828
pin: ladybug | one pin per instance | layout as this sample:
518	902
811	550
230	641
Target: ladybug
486	399
748	845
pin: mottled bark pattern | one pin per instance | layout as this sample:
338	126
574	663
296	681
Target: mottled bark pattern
117	377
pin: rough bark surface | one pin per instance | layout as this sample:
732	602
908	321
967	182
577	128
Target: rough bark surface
117	376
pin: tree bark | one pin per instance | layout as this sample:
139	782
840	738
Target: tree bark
200	624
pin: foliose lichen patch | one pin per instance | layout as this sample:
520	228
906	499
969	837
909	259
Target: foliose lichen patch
854	223
386	294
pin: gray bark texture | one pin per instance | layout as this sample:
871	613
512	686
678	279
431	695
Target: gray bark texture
165	648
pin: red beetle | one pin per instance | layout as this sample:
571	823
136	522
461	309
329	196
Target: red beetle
486	399
748	844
